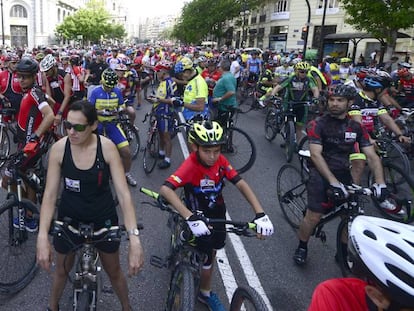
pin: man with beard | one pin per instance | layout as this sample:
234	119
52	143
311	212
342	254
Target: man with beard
331	141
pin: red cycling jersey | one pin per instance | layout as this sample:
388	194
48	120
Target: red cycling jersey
30	115
211	79
10	88
344	294
407	86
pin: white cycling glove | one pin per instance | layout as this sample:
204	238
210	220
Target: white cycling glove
339	190
197	225
263	224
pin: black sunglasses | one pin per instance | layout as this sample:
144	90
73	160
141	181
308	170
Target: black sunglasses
76	127
303	71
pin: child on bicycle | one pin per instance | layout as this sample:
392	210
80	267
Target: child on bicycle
202	177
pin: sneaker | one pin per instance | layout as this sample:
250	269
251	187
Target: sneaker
161	156
391	208
261	103
31	224
131	180
213	302
300	256
164	164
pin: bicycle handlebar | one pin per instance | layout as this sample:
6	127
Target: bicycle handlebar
86	231
239	228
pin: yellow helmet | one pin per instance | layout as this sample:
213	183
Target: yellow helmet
302	66
206	133
183	64
346	60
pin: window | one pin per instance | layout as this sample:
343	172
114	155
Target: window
331	4
113	6
262	18
327	30
281	6
261	32
253	20
18	11
59	15
274	30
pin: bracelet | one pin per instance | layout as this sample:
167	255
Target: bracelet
59	113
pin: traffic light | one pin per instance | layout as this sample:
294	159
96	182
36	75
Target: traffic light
304	33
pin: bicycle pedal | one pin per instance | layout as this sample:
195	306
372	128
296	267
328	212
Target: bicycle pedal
158	262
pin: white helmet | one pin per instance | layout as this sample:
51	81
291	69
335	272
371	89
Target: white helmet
48	62
383	251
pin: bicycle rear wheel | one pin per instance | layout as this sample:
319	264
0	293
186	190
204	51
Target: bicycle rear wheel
83	301
396	155
133	140
239	149
181	295
401	188
247	298
151	153
18	249
292	194
4	144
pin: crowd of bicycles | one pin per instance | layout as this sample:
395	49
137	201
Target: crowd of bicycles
289	90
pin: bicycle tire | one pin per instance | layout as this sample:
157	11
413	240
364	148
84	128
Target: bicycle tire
240	149
396	155
247	298
83	302
344	262
271	129
18	255
304	145
181	295
133	140
4	144
289	140
150	156
292	194
401	188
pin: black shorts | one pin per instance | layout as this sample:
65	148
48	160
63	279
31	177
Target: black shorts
317	187
63	246
217	239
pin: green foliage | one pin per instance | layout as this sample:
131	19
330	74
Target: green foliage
92	22
382	18
200	18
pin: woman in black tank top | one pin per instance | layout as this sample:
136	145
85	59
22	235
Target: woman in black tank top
79	159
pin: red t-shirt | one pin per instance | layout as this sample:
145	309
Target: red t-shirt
344	294
211	79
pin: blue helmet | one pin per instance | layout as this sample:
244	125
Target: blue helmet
376	82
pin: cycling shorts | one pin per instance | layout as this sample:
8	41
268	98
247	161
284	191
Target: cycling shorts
63	246
300	111
253	77
165	121
317	187
114	132
207	244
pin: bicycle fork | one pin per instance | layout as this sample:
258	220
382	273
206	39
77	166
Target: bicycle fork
17	237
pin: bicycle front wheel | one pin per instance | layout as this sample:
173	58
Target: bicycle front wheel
396	155
151	153
401	188
271	129
181	295
133	140
239	149
344	261
292	194
247	298
83	301
18	248
4	144
289	140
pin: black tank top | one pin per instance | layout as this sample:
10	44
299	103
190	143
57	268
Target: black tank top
87	196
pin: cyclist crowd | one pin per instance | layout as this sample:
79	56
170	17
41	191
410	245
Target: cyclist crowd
44	85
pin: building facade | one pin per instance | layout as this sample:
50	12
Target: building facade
279	26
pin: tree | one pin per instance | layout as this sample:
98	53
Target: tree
200	18
382	18
92	22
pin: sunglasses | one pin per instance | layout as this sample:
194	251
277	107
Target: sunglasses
303	71
23	77
76	127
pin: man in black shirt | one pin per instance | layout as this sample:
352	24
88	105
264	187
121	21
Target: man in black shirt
331	141
94	72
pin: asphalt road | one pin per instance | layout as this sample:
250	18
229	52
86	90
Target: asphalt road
287	286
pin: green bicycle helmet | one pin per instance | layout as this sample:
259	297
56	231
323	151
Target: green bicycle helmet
206	133
109	78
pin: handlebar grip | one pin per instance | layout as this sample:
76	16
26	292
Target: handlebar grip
149	193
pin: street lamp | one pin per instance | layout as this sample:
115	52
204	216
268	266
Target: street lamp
244	14
305	39
2	21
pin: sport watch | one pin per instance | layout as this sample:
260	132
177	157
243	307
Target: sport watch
134	231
